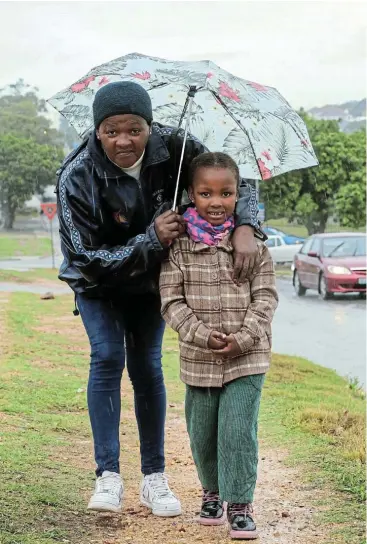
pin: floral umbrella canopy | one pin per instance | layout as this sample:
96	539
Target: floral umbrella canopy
251	122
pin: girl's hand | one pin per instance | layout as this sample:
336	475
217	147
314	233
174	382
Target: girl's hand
232	349
217	340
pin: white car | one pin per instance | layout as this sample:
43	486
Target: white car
280	251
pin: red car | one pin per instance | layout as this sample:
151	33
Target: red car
331	263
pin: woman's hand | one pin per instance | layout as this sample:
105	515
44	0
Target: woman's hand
245	253
169	226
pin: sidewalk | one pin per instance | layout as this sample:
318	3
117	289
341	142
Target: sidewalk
29	263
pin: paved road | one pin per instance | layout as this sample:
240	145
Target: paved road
29	263
11	287
331	333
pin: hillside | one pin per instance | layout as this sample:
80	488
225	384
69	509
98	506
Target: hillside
351	115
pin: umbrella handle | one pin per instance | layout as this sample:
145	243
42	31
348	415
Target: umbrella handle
190	95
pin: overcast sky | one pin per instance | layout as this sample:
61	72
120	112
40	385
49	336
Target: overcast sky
313	52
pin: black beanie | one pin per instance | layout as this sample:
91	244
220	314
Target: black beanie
121	97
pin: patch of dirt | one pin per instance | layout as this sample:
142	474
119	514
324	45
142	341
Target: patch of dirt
283	505
47	283
9	423
67	324
44	363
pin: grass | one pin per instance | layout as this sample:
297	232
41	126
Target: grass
280	271
24	245
316	415
28	276
300	230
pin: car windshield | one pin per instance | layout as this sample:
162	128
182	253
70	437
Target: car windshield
271	242
344	246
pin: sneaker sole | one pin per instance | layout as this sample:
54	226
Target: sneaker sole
104	507
243	535
161	513
213	521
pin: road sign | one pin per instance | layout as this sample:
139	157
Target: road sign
49	209
261	213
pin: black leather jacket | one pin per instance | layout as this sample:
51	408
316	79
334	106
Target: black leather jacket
106	217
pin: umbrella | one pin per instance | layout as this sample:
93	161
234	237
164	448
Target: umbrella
251	122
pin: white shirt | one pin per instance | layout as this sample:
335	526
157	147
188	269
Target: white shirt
134	170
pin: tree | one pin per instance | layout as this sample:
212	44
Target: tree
310	196
26	167
350	201
30	149
22	112
350	204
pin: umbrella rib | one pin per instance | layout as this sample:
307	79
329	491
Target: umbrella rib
287	122
159	86
239	124
183	111
188	105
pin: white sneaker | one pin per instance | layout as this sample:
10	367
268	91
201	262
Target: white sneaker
156	495
107	496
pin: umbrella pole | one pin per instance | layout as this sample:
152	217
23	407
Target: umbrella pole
191	95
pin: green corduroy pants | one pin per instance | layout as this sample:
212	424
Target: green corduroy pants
222	426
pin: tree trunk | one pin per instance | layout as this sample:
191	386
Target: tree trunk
316	224
323	222
311	227
8	216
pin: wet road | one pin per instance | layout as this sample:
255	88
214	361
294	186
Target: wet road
29	263
11	287
330	333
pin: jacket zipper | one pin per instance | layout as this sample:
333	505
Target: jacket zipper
142	200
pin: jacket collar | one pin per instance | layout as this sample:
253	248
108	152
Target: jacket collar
155	152
225	245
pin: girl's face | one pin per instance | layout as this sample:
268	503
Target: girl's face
214	193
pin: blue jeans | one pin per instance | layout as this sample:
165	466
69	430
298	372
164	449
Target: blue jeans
113	326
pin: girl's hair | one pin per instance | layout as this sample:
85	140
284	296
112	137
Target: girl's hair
213	160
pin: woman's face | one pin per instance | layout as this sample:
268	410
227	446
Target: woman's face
123	138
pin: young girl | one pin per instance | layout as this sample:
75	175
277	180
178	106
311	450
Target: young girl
225	343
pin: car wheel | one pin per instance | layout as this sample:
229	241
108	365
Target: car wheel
298	287
324	293
362	296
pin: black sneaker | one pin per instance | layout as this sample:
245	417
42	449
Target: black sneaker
212	511
241	521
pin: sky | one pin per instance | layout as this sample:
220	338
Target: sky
313	52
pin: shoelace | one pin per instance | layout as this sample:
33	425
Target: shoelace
209	496
160	484
109	484
238	509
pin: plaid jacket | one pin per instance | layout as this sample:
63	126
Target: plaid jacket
199	296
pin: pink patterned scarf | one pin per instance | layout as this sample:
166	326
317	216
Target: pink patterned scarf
200	230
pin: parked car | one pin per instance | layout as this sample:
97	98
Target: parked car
331	263
288	238
280	251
